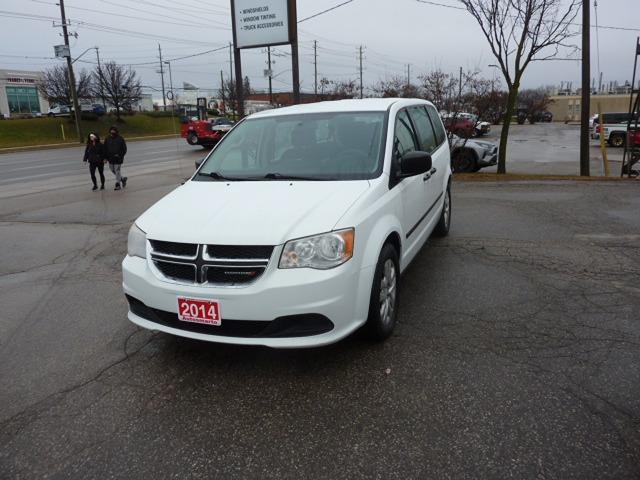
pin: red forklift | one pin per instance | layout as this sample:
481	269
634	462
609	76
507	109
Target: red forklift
204	131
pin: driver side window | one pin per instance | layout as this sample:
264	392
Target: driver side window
404	141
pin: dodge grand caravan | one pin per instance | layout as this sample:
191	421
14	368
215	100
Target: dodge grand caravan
294	231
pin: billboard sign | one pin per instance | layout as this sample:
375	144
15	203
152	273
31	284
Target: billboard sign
258	23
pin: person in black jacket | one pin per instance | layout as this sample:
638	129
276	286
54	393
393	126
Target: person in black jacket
94	154
115	149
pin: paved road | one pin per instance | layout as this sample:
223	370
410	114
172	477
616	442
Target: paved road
517	354
543	148
42	170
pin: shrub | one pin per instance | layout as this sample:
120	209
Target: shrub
89	116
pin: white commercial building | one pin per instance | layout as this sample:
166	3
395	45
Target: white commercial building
19	94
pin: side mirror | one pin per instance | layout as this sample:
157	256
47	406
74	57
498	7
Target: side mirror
199	162
415	163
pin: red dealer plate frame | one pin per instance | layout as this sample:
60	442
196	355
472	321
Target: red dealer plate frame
199	310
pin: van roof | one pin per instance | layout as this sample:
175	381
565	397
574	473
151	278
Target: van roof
354	105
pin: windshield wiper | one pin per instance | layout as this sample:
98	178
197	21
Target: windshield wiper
219	176
281	176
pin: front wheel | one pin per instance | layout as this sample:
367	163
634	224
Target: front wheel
617	141
192	139
383	306
442	228
463	161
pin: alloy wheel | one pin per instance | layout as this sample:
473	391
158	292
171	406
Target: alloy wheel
388	292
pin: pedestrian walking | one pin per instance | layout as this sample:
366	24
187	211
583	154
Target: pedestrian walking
94	155
115	149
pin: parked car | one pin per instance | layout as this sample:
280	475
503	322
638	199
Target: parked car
295	229
59	110
614	127
459	125
545	116
470	155
206	133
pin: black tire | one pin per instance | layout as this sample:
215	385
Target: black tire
192	139
617	140
442	228
463	161
383	305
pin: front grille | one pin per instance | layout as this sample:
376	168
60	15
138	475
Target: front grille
215	265
242	252
177	271
233	275
174	248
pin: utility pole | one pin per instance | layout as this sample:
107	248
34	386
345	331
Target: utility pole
164	97
224	102
173	93
231	62
72	78
408	74
315	68
270	76
361	84
586	90
460	90
104	102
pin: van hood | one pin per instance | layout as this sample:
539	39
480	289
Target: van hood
249	213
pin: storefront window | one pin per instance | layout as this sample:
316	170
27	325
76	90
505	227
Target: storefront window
23	99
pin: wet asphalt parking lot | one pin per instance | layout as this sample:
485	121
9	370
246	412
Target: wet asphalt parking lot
517	353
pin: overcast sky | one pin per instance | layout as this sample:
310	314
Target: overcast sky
394	33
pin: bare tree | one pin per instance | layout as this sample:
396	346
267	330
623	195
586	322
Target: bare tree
532	103
519	32
396	87
119	86
55	86
440	88
344	89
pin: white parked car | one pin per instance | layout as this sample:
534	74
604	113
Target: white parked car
470	155
294	230
59	110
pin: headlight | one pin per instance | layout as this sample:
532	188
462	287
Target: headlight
137	242
320	251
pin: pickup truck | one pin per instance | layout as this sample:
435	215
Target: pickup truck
614	127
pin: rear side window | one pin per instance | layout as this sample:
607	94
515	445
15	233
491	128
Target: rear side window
441	135
424	129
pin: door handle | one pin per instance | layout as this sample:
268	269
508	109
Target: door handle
433	171
426	177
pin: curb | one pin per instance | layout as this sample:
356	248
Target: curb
524	177
30	148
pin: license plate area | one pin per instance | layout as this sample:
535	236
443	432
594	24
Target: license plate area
198	310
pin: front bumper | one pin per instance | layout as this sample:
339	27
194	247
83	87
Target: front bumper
278	298
489	159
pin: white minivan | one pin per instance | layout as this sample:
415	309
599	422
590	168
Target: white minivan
293	232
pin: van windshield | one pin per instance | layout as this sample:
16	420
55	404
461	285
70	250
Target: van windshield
326	146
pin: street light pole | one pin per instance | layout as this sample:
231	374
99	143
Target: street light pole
104	102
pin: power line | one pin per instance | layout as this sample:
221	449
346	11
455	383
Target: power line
133	17
325	11
606	27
